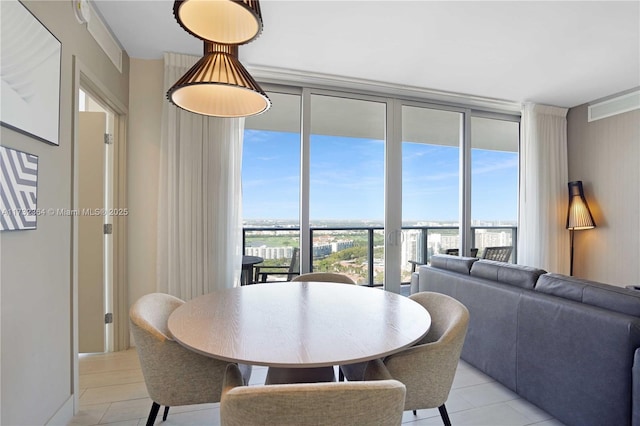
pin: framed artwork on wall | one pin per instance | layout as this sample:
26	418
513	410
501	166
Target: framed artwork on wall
30	74
18	190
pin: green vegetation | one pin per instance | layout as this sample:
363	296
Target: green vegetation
272	240
334	262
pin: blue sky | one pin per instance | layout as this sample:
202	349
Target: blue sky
347	179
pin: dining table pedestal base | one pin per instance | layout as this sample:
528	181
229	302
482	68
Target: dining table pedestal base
280	376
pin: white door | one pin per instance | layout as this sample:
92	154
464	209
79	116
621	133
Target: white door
91	293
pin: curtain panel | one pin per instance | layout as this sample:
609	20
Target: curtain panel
199	202
543	241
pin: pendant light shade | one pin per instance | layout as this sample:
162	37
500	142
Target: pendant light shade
221	21
218	85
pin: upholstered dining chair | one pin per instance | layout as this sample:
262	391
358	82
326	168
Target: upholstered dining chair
173	374
324	277
376	402
427	369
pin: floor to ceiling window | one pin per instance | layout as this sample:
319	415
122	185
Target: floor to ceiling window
346	186
431	151
494	182
367	186
271	182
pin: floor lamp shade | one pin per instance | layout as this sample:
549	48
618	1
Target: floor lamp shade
221	21
578	216
218	85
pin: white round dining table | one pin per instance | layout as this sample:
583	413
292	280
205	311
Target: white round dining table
299	324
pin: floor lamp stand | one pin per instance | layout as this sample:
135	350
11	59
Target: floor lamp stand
571	261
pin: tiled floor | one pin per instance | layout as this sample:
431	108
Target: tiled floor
112	391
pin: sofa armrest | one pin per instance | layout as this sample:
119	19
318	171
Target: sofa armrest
415	288
635	393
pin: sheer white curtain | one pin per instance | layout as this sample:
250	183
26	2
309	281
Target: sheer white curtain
543	241
199	202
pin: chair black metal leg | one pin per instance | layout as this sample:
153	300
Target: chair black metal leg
340	375
166	411
444	415
153	414
415	412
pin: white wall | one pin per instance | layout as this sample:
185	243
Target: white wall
145	114
605	156
35	266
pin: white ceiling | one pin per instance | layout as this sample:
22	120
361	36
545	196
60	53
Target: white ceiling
555	53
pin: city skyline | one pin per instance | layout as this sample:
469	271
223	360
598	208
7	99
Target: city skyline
347	180
331	243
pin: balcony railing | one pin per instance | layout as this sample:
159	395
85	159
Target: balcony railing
358	251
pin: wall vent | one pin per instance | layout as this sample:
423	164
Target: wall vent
103	36
614	106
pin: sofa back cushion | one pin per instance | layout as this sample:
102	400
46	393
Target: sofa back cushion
605	296
506	273
458	264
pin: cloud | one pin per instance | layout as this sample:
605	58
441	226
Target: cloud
254	136
431	177
271	158
270	181
482	167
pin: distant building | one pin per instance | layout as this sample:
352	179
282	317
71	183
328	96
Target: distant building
341	245
270	252
321	250
489	238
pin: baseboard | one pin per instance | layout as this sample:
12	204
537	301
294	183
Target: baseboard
64	414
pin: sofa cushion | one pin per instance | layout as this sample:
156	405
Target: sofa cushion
506	273
453	263
575	360
606	296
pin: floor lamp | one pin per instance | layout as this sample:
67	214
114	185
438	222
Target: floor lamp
578	215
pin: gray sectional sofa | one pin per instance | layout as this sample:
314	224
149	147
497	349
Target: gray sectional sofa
570	346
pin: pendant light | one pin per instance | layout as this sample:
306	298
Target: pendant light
222	21
218	85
